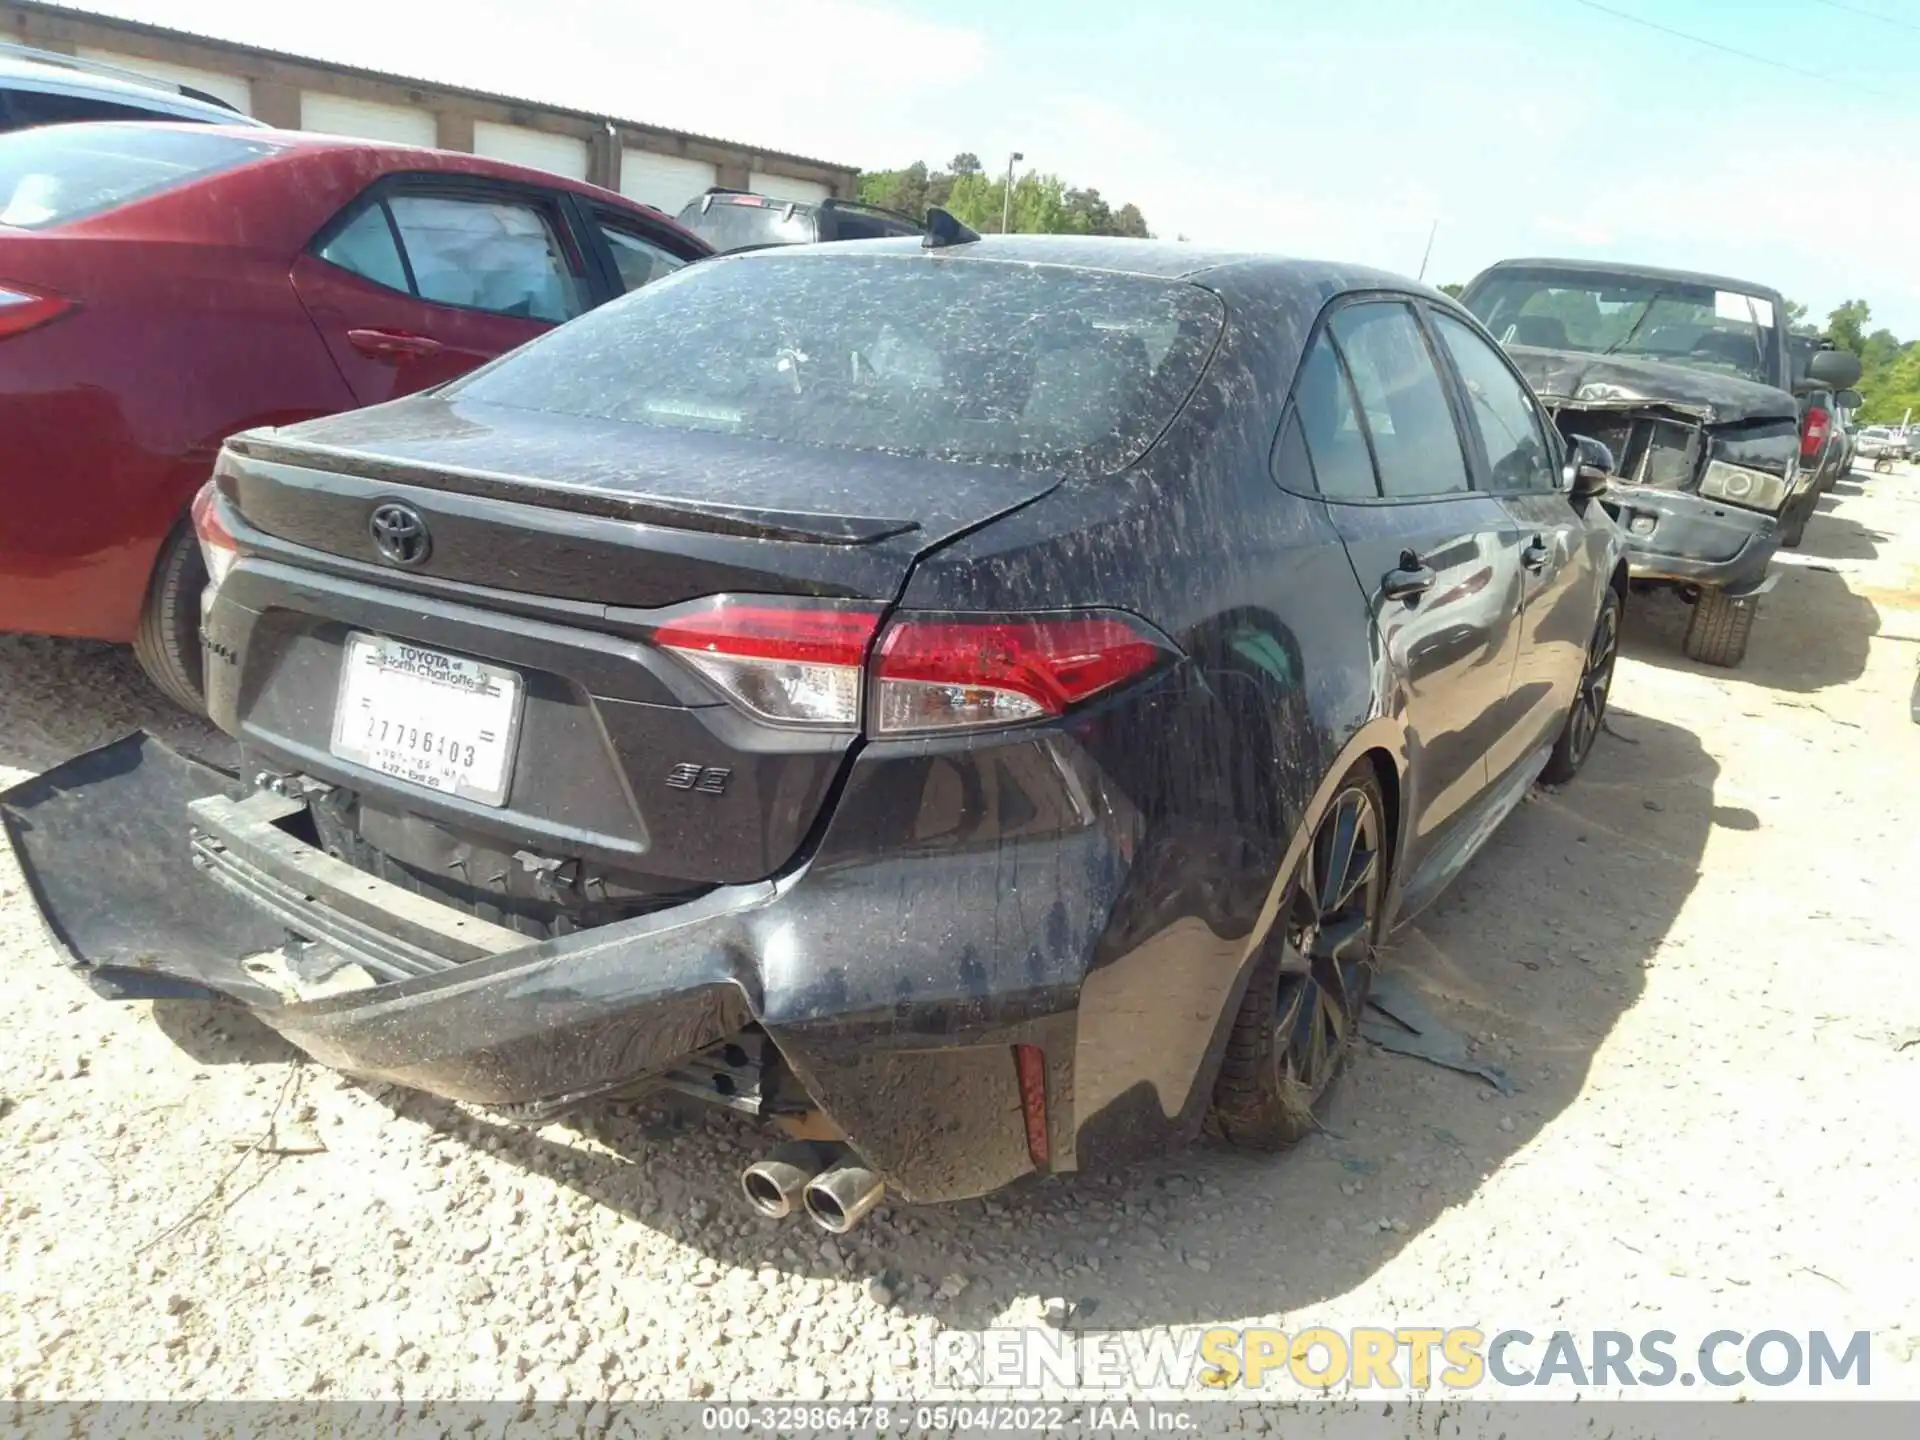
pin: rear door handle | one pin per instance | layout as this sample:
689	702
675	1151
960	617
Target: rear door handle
392	344
1410	580
1536	555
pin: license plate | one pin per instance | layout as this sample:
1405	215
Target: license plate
434	720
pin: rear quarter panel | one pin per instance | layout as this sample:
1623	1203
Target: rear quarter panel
1220	763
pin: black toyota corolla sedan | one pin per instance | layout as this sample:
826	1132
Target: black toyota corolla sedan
978	703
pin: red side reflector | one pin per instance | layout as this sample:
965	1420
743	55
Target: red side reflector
1030	1065
22	310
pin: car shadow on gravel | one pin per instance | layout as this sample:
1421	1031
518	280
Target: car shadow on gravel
60	698
1812	632
1831	536
1535	954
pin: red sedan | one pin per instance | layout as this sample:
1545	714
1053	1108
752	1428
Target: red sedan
164	286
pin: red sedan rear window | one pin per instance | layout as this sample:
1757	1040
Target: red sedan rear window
56	173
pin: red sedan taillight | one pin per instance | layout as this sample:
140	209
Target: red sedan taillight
217	545
22	309
808	665
1813	434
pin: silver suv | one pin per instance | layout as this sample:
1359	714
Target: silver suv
38	87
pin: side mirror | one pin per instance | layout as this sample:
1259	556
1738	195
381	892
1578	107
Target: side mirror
1589	468
1849	400
1834	369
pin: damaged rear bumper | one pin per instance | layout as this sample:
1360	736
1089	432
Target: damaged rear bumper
1677	536
892	984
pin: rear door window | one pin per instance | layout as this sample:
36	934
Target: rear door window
1415	442
58	173
487	254
478	251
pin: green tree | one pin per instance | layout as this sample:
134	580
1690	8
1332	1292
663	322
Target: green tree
1452	289
1879	350
1042	204
1892	389
1797	321
1846	326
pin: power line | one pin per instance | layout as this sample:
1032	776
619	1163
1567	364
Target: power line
1869	14
1729	49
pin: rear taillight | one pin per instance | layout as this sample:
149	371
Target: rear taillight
789	664
22	310
217	545
1813	433
943	673
807	664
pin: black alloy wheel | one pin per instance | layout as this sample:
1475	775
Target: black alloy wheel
1589	711
1301	1015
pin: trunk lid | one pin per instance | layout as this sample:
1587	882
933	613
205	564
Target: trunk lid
607	513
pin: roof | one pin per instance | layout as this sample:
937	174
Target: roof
260	52
1171	259
1628	267
1164	259
162	98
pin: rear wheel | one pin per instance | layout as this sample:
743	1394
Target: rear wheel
1570	751
1301	1014
167	644
1717	633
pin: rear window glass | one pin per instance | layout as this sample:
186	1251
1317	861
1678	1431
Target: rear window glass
1031	365
744	225
64	172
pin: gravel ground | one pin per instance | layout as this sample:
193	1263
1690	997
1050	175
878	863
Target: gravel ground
1696	961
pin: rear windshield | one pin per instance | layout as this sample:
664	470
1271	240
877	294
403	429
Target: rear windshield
64	172
952	359
747	224
1729	332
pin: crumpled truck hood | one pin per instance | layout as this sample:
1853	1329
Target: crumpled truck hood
1572	376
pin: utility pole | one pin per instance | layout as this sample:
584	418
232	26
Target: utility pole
1427	254
1006	200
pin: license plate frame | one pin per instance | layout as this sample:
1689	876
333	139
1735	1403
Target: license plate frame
412	687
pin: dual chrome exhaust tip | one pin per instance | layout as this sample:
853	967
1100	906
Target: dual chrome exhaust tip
823	1177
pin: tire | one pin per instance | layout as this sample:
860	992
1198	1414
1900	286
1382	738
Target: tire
1300	1016
1717	633
167	644
1589	710
1793	524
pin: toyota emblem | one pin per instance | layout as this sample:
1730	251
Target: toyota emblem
399	534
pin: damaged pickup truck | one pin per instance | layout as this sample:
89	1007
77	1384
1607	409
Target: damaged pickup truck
1688	379
975	706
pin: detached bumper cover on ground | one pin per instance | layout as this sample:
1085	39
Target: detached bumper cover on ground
894	990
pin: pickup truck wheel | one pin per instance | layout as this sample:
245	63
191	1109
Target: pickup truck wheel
167	644
1300	1017
1717	633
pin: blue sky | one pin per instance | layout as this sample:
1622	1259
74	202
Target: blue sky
1337	129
